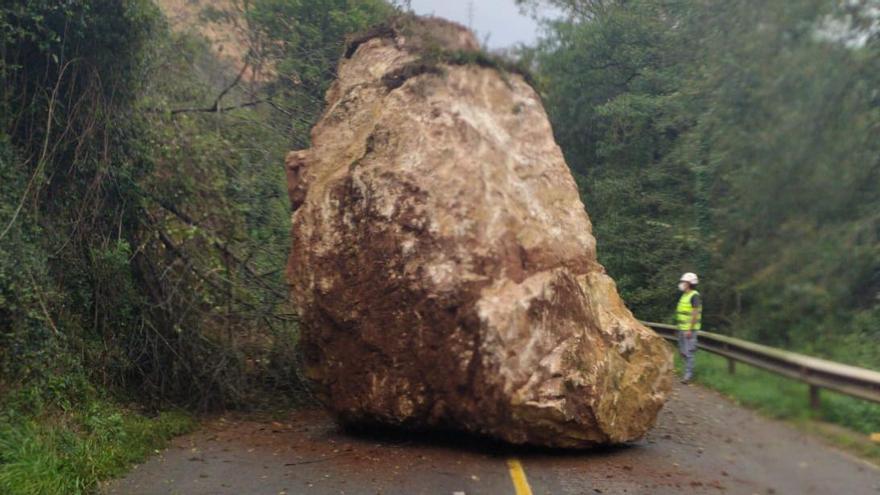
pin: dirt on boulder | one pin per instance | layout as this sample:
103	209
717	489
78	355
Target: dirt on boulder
443	264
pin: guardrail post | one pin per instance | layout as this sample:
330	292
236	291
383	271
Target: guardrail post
731	366
815	403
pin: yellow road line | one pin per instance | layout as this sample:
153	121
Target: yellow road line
520	483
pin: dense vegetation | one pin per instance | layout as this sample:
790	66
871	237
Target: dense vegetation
737	139
144	221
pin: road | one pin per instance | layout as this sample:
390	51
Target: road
703	443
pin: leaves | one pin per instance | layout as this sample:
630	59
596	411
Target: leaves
732	139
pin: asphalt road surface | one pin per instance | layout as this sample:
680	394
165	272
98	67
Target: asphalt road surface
703	443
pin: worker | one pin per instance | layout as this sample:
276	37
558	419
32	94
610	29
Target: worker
688	316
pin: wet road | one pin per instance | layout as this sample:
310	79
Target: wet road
703	443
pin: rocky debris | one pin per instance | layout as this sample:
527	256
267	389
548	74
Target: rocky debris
443	264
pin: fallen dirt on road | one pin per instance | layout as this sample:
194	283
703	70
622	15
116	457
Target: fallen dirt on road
703	444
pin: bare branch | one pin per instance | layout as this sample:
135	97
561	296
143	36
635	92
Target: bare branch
215	107
211	109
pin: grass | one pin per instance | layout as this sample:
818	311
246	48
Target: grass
70	453
844	421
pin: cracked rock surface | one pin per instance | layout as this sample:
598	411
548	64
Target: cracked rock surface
443	265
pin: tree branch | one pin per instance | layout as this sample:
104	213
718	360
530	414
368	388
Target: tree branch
219	245
215	107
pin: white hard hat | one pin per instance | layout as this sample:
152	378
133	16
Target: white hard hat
690	278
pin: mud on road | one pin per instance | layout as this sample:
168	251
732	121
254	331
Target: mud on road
703	443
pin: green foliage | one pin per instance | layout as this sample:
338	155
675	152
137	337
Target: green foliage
302	41
23	336
146	217
65	70
611	86
70	452
795	197
216	207
749	157
306	38
144	224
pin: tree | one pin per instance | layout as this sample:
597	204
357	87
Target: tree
736	138
611	75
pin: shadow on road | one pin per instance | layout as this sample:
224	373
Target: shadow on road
468	442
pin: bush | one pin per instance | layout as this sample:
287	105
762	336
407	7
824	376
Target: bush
70	453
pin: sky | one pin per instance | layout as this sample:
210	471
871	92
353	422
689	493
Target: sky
501	20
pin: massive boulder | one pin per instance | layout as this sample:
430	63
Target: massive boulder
443	264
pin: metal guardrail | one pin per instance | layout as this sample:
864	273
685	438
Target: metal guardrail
818	373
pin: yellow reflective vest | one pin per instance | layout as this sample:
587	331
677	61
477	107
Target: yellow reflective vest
683	312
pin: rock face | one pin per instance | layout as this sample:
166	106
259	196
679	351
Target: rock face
443	265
